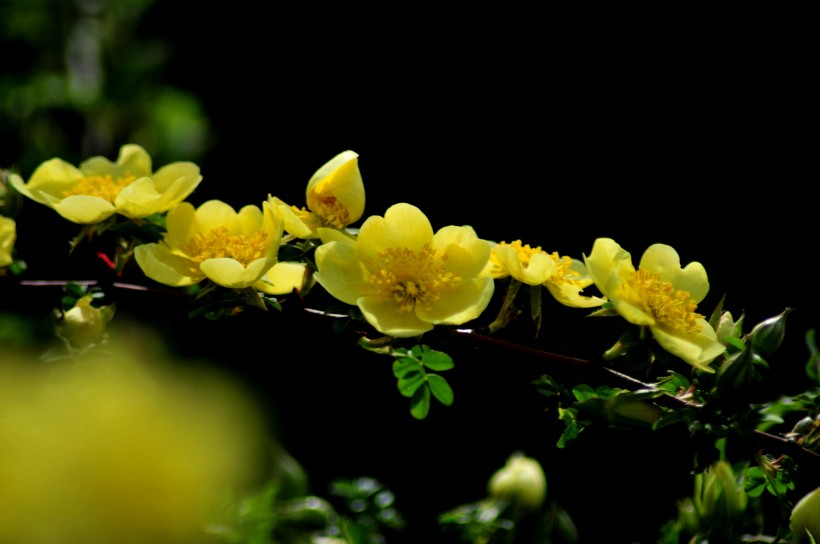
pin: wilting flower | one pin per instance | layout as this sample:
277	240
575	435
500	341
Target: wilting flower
232	249
563	276
335	198
121	447
100	188
660	295
8	235
521	481
405	278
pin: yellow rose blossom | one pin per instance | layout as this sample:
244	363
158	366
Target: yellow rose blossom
8	236
99	188
563	276
659	294
335	198
404	277
121	447
232	249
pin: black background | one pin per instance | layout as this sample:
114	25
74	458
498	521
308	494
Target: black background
538	127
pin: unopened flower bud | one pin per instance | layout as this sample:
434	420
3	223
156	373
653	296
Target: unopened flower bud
737	374
521	481
84	324
805	519
767	335
727	327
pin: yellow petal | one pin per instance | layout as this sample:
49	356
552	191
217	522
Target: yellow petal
459	304
84	209
230	272
383	315
467	254
132	159
605	262
283	278
340	272
158	263
664	260
340	178
52	177
570	295
403	226
8	235
697	349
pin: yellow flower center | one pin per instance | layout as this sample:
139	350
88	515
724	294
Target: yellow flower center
669	306
332	212
219	243
411	278
106	187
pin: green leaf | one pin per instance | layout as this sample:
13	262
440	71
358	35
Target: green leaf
410	383
436	360
440	389
403	366
420	403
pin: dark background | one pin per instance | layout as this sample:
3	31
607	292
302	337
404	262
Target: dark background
550	129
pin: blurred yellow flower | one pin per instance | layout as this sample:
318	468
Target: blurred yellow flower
564	277
335	198
403	277
521	481
99	188
123	448
232	249
8	236
805	517
660	295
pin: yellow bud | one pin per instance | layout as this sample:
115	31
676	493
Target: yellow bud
84	325
521	481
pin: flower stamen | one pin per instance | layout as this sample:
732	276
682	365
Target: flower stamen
219	243
669	306
409	278
106	186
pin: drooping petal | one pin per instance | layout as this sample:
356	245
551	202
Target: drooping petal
340	272
230	273
160	264
84	209
698	349
383	315
53	177
283	278
459	304
570	295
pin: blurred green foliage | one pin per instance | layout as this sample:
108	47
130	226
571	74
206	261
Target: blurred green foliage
80	77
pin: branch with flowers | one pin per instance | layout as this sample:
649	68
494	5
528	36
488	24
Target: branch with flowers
406	292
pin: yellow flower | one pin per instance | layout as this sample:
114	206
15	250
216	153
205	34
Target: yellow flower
232	249
99	188
405	278
805	517
564	277
660	295
84	324
335	198
121	448
8	235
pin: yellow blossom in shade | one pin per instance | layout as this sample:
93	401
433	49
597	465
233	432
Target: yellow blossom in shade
404	277
232	249
8	236
100	188
659	294
805	518
121	447
334	196
564	277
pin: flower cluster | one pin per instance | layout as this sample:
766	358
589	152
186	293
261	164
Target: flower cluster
399	278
